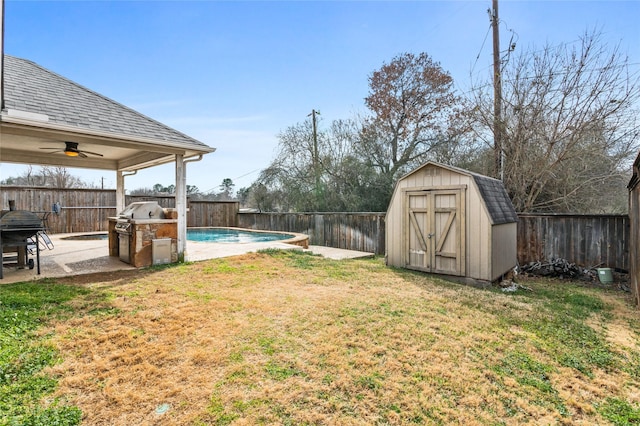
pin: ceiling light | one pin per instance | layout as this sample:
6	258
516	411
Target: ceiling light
70	153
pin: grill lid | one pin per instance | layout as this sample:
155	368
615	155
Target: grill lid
142	210
19	219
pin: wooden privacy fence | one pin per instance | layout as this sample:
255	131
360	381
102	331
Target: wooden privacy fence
84	210
199	213
88	210
352	231
587	240
212	213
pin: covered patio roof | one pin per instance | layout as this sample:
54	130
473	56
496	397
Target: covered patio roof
47	119
44	110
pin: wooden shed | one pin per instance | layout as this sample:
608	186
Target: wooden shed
449	221
634	231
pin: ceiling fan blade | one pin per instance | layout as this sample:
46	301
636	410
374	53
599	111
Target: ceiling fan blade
92	153
71	147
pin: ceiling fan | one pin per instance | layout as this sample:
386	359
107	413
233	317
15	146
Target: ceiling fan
71	150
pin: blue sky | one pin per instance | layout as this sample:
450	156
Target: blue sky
233	74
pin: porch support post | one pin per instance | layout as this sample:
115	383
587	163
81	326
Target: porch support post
181	206
120	197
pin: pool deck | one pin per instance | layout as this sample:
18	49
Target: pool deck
77	257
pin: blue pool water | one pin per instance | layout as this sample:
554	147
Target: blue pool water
214	235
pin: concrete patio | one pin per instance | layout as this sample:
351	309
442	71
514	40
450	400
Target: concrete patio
77	257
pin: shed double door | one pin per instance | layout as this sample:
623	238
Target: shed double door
434	231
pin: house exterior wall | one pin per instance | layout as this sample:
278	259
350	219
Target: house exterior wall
504	252
477	238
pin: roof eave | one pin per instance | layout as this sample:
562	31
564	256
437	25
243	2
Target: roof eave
157	145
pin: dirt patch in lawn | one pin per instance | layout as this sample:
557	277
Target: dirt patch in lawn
289	338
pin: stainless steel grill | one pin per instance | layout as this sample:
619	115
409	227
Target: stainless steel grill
142	210
125	226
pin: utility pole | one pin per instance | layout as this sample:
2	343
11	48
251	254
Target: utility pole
497	93
315	139
316	161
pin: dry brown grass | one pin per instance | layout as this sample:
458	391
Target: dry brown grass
292	339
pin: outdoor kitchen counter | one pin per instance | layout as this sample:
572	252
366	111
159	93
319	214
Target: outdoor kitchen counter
134	246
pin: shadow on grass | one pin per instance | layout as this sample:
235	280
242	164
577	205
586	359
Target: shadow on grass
24	353
24	308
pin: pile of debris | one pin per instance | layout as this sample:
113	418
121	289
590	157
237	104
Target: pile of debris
560	268
563	269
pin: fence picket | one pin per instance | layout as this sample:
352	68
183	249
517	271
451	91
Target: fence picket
587	240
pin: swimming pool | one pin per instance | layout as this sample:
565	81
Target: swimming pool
227	235
221	235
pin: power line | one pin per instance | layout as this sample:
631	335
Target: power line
555	74
236	178
247	174
481	48
533	52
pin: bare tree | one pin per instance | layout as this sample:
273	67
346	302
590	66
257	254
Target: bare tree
31	179
59	177
569	125
338	180
261	198
143	191
292	171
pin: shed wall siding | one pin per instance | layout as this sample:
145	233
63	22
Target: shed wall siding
478	236
504	249
393	228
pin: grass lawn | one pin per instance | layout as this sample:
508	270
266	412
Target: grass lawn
290	338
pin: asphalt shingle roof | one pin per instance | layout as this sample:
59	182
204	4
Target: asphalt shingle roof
32	88
496	199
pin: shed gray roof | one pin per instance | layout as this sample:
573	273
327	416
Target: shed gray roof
496	199
32	88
